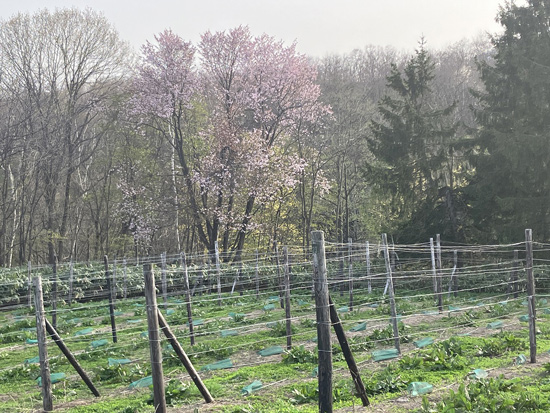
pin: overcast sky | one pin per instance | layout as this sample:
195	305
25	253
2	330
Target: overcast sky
320	27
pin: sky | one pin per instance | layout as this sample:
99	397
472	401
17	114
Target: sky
320	27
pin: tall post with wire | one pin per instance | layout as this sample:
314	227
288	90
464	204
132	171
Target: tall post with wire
531	294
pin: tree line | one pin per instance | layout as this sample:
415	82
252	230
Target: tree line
243	141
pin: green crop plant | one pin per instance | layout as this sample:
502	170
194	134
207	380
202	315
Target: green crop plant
299	354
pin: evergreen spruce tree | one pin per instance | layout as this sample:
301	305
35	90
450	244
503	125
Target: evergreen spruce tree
511	155
411	147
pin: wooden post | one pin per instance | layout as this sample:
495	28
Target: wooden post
163	280
218	272
514	275
111	304
369	284
115	291
350	274
392	296
287	300
187	298
434	270
279	282
257	276
54	291
341	274
125	280
439	279
159	400
348	355
184	359
64	349
29	283
47	401
531	294
71	279
240	278
322	310
452	281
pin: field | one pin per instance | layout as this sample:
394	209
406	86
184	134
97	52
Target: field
240	346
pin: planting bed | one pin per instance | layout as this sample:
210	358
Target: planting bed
240	347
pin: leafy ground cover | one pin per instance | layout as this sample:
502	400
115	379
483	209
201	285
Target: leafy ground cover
463	342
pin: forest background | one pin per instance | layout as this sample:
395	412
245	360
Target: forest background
241	140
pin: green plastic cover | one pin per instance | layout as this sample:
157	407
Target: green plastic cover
417	388
543	301
139	320
269	307
32	360
118	313
31	341
177	301
196	323
252	387
521	359
302	302
315	372
343	309
271	324
170	311
118	362
359	327
431	312
99	343
373	305
495	324
423	342
524	318
138	305
74	320
524	303
228	333
480	304
478	374
222	364
54	378
270	351
141	383
379	355
31	329
273	298
84	331
144	334
237	315
453	308
547	311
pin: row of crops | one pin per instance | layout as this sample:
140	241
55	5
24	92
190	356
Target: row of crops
240	345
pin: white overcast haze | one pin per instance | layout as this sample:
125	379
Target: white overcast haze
320	27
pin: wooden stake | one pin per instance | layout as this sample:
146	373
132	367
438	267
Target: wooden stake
515	287
369	284
47	401
71	279
54	291
439	279
287	300
184	359
257	276
111	304
187	298
163	280
65	350
322	310
218	272
279	282
154	340
531	295
115	291
392	297
452	280
29	283
348	355
434	270
350	274
125	280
